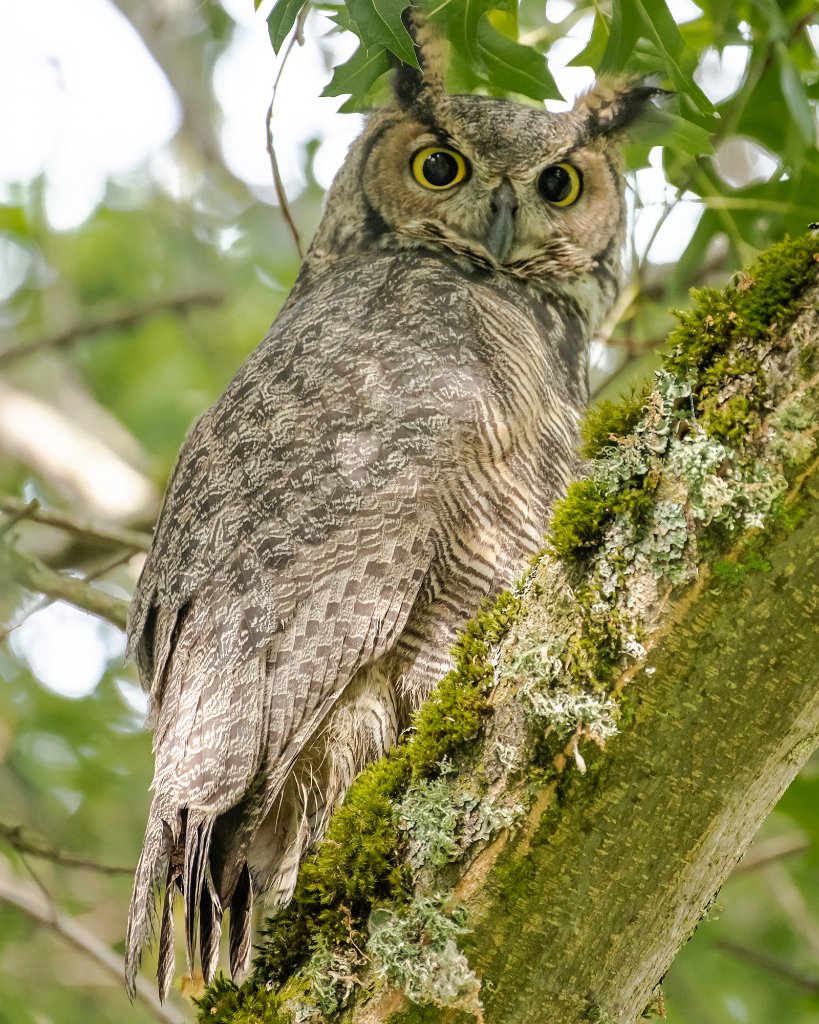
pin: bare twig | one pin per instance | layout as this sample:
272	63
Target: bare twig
770	851
45	913
768	963
32	574
281	195
132	539
109	321
27	843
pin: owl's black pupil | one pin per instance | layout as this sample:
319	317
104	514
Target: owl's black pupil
440	169
555	184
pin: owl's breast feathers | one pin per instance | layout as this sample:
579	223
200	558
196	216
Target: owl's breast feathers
388	422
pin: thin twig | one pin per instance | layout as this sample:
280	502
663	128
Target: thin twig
32	574
45	913
281	195
132	539
110	321
25	842
771	851
768	963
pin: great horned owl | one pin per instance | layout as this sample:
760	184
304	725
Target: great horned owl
383	461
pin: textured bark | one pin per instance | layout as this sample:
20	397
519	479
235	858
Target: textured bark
608	888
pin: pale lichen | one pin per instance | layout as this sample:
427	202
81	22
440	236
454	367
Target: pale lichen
416	949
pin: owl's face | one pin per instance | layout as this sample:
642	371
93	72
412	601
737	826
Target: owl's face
499	184
500	187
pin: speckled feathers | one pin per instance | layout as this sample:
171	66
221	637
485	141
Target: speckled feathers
383	461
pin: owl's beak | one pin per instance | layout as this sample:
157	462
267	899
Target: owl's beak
501	232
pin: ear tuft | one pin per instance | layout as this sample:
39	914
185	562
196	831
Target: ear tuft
612	105
411	84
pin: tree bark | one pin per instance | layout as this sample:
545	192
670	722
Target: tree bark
614	883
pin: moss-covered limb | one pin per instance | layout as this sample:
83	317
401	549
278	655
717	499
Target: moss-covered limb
541	675
613	882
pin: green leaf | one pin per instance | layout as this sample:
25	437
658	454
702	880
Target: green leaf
359	73
460	20
281	19
514	67
379	24
651	20
592	53
673	130
623	34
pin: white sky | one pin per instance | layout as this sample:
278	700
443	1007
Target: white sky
81	100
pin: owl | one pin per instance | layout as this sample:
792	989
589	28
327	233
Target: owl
383	462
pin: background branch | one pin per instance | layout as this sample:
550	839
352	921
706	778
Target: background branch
281	195
112	320
132	539
47	915
26	842
32	574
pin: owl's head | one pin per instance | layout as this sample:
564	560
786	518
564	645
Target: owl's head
499	186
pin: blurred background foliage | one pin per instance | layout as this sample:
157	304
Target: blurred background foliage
143	253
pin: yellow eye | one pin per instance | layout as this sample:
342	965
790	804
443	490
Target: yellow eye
438	168
560	184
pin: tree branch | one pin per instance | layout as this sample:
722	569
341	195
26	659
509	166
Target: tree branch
132	539
525	879
27	843
112	320
31	574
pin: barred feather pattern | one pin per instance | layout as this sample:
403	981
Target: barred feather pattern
382	462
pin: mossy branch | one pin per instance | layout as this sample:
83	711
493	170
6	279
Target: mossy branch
613	733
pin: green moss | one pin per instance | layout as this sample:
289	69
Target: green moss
809	361
579	520
452	716
594	656
733	572
512	874
607	421
224	1003
355	866
713	341
429	1014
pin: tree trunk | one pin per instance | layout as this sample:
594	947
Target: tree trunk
607	887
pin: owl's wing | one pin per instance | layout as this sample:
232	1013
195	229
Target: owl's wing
292	542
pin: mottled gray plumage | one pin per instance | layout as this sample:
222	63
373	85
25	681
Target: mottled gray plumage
382	462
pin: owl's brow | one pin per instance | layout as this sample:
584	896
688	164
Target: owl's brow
441	136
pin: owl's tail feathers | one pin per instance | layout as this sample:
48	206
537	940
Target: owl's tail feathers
155	863
176	857
241	906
